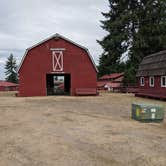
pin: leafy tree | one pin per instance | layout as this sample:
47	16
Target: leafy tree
11	67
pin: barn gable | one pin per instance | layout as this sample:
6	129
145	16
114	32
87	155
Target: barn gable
57	66
57	36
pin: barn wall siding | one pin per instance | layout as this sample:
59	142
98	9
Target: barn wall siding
14	88
2	88
38	63
157	83
156	90
152	65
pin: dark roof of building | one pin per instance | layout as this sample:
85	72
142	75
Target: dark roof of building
7	84
153	65
111	76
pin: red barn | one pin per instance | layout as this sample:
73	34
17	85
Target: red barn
152	76
117	77
8	86
57	58
113	81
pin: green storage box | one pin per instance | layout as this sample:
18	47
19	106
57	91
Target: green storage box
144	112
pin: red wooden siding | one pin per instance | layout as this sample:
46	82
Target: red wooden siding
8	86
156	91
114	81
38	63
157	83
154	66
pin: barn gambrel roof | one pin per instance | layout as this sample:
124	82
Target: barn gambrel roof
64	38
153	65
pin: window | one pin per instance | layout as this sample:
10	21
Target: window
142	81
151	81
163	81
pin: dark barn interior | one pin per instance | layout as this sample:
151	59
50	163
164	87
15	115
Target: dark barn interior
58	84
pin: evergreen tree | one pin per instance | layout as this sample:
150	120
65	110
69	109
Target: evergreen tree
150	33
114	44
11	67
135	26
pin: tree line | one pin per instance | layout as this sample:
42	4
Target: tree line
135	29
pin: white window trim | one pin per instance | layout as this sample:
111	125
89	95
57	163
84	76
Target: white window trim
142	81
57	60
162	81
150	83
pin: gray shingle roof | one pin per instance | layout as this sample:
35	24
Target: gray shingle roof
153	65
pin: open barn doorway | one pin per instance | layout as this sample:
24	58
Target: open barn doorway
58	84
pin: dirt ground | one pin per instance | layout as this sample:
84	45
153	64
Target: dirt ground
78	131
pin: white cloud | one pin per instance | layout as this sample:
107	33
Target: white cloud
24	23
2	62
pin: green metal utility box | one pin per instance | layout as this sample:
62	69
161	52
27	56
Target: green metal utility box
147	113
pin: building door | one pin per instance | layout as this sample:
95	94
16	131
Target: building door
58	84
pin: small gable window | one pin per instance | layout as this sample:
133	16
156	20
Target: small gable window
151	81
142	81
163	81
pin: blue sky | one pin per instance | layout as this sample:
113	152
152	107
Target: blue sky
26	22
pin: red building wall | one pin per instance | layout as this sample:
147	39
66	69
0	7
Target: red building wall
10	88
153	90
38	63
2	88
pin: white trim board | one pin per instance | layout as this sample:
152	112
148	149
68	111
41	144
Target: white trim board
150	79
162	85
142	81
62	37
57	49
57	60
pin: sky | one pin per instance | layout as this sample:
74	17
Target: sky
24	23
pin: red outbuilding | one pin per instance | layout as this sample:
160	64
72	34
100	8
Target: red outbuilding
152	76
8	86
116	77
112	81
57	59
